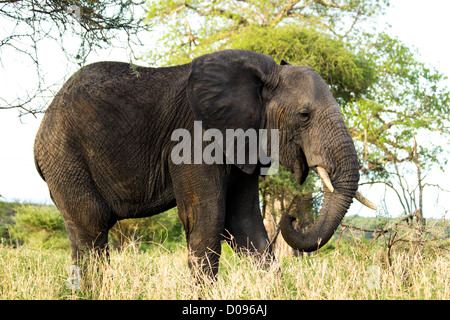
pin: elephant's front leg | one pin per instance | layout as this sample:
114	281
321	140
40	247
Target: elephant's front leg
200	193
244	223
204	225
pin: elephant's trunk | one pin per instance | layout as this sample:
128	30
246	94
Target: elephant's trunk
339	191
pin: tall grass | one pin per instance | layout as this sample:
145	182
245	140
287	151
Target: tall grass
352	272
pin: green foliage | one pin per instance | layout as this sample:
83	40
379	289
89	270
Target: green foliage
191	28
347	73
164	228
6	220
42	226
39	226
407	99
299	201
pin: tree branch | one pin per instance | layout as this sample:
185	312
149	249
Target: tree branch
330	4
98	24
285	12
218	11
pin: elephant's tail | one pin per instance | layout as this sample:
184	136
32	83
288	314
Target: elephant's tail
38	168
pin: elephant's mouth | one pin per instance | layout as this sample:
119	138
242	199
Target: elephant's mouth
300	171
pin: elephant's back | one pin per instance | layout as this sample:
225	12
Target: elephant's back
106	85
112	122
115	95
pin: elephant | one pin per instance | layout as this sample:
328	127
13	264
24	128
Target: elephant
104	149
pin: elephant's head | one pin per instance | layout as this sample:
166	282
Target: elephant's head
241	89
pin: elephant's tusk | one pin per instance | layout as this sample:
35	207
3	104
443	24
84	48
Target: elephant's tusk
323	174
365	201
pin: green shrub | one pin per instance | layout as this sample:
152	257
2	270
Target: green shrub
42	226
164	228
39	226
7	213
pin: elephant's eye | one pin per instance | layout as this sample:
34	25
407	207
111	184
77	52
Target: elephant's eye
304	116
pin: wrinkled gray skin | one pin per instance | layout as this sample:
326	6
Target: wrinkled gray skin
104	150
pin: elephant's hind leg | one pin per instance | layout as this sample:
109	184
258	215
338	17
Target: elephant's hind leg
87	218
244	224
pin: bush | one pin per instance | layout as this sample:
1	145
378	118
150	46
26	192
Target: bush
164	228
40	227
6	220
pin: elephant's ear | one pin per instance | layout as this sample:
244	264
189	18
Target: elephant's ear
224	91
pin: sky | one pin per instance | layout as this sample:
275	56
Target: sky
424	26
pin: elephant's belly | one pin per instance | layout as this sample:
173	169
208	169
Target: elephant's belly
135	193
140	208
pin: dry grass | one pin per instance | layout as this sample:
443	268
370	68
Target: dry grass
356	272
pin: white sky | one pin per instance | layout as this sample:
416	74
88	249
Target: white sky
424	25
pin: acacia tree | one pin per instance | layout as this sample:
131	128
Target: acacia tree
407	103
387	95
28	23
195	27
